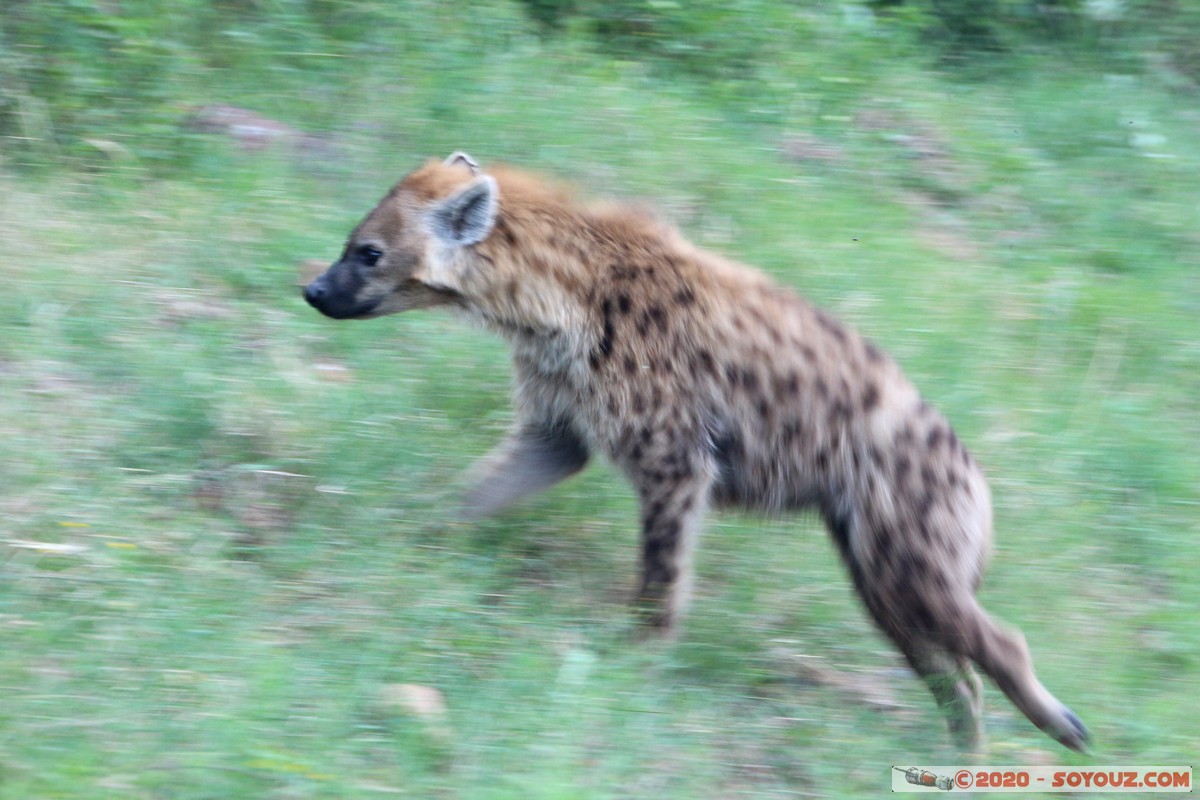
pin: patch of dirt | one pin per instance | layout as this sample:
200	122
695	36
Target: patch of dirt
941	230
261	500
873	689
807	148
254	132
935	168
931	180
176	306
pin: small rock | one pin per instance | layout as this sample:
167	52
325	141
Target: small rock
424	702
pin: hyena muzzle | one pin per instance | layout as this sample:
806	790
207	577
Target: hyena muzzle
706	384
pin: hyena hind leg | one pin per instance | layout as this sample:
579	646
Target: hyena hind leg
904	612
938	625
1004	656
956	688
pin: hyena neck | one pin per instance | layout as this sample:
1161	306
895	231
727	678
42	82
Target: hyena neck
536	276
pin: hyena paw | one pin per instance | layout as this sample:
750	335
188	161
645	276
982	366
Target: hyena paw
1070	731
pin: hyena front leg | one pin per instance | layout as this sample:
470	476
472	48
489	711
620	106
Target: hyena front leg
534	456
673	501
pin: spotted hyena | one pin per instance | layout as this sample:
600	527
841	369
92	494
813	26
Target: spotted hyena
707	385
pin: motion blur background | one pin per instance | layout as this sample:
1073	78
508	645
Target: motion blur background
228	562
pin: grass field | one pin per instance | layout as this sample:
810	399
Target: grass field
229	565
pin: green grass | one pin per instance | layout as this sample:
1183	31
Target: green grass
253	506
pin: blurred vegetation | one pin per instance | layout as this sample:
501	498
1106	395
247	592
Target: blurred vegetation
85	70
229	565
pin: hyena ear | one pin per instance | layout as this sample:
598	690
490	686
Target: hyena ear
467	216
459	157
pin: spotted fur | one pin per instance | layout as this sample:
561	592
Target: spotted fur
707	385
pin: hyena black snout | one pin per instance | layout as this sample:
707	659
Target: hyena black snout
335	293
316	292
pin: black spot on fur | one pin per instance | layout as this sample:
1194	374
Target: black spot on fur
630	365
921	615
623	303
928	478
883	546
914	567
874	354
653	548
667	532
685	296
839	412
658	543
623	272
792	432
924	504
605	346
934	438
832	326
870	397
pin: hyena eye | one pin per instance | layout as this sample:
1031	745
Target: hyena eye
369	255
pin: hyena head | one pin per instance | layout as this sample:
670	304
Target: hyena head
393	259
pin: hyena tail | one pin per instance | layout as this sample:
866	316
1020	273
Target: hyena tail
1004	656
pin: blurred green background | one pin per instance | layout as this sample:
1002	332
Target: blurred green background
229	565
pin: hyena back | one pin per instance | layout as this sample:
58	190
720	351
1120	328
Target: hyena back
706	384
